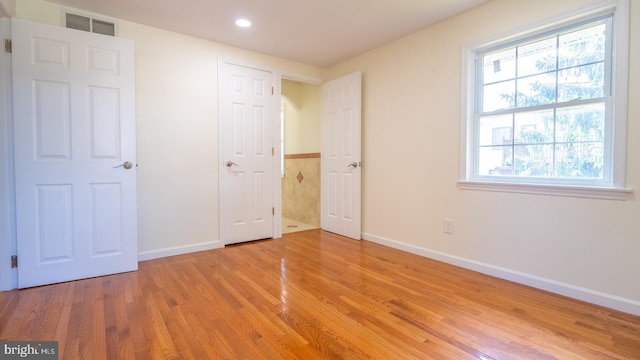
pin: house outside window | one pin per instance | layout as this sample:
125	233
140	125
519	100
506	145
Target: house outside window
549	108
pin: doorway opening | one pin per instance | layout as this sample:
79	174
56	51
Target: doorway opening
301	144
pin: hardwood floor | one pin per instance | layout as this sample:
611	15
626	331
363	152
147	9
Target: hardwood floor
312	295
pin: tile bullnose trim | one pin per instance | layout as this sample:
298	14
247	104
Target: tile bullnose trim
302	156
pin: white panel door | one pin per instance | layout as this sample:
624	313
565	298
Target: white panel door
341	156
73	126
247	114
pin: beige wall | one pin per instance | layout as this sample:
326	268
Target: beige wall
292	127
7	8
411	126
302	122
177	128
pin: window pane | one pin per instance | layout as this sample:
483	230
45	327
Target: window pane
533	160
537	57
499	96
537	90
581	123
534	127
499	66
582	46
583	82
495	130
495	160
580	160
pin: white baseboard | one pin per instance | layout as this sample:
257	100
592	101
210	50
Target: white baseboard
576	292
178	250
145	255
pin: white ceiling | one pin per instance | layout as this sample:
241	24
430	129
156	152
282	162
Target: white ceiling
315	32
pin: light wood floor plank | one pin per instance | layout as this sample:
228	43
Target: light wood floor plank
312	295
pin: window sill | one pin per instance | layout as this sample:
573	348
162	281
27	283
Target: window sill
545	189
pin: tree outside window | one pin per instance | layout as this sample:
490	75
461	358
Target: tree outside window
543	105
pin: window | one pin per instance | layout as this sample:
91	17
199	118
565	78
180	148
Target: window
543	107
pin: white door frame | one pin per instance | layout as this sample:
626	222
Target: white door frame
8	244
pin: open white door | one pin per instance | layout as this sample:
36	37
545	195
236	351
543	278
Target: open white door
247	115
75	155
341	156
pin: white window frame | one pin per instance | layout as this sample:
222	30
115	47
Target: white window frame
613	187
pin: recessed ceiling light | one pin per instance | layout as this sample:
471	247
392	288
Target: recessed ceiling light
243	23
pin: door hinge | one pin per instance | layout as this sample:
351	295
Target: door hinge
272	91
8	47
273	151
14	261
273	211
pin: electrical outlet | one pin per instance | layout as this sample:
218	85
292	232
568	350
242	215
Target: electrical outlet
447	226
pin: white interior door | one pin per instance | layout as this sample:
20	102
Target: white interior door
341	156
247	114
73	126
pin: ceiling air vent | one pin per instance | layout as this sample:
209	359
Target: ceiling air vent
86	23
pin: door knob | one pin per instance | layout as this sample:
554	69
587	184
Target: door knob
231	163
127	165
353	165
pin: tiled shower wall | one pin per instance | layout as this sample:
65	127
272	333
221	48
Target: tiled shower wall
301	188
